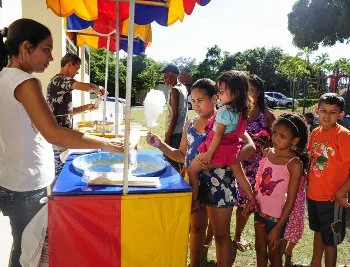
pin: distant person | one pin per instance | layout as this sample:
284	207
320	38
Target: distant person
177	109
329	146
59	98
334	80
28	127
310	117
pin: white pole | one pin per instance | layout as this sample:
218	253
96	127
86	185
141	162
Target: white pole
106	84
128	94
116	91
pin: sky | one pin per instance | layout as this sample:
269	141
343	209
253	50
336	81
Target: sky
233	25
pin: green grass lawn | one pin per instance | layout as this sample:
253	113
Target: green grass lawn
302	252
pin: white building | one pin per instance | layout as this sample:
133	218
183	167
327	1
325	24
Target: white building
10	10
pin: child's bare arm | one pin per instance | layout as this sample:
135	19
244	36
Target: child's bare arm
242	179
341	197
248	148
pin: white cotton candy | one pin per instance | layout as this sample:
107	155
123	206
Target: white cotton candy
153	105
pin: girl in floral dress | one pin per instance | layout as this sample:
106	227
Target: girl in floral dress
260	120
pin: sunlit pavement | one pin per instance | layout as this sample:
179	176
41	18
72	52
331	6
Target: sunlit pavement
5	240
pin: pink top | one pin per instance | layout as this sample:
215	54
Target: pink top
272	186
230	144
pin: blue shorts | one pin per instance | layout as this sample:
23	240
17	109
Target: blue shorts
269	222
218	188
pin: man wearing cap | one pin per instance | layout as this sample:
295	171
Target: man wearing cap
176	114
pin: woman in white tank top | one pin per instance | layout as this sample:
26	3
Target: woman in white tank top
28	127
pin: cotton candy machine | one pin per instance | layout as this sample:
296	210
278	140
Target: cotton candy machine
146	165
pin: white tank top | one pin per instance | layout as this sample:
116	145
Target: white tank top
26	158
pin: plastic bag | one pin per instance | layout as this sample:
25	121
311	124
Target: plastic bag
35	241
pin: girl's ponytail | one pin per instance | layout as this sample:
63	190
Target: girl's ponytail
3	51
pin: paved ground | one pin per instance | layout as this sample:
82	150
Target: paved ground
6	240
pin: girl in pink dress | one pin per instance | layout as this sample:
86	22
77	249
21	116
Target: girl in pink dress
277	184
225	128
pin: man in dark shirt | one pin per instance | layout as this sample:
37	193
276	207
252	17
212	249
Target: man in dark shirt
59	91
59	97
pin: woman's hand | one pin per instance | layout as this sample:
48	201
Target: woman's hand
153	140
89	107
115	145
99	90
205	158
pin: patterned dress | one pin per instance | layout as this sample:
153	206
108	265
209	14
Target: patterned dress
217	187
251	166
295	226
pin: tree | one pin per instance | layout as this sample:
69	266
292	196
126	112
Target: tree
236	61
98	70
145	73
187	65
210	66
312	22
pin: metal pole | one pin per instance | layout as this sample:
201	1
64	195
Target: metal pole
128	95
293	96
106	84
116	91
347	101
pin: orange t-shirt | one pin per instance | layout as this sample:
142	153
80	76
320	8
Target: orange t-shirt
330	162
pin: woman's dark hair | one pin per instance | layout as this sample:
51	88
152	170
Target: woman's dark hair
237	83
259	84
298	128
19	31
206	85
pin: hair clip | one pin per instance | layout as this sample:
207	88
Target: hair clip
3	32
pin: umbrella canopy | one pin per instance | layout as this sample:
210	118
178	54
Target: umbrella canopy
164	12
94	33
141	12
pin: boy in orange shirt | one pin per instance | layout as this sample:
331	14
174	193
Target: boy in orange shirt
330	164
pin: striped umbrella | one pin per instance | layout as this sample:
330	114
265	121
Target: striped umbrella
141	12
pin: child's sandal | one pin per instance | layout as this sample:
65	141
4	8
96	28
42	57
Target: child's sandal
195	206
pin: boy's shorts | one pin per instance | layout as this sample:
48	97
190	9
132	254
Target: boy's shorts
327	218
269	222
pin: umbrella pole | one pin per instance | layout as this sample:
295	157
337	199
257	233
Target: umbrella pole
116	92
106	84
128	95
